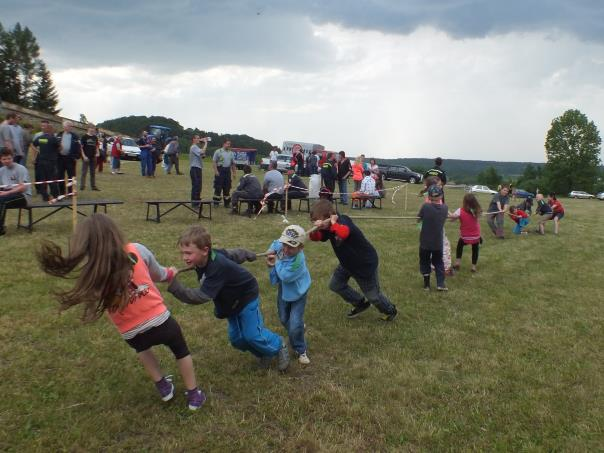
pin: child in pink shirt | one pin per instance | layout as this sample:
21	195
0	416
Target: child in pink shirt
469	229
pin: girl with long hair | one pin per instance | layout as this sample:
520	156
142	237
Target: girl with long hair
469	229
118	277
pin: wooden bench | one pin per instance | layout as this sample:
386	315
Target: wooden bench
253	204
176	203
56	207
359	202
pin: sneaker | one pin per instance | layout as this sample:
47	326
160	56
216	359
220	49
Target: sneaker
283	358
356	311
389	316
195	399
265	362
165	388
303	359
442	288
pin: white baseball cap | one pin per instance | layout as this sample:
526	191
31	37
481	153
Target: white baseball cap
293	235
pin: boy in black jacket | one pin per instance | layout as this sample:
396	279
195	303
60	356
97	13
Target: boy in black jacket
358	259
234	291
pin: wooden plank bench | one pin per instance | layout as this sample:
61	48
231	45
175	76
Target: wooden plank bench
176	203
253	204
335	198
56	207
359	202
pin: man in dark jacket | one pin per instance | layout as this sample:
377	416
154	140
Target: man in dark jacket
69	152
249	188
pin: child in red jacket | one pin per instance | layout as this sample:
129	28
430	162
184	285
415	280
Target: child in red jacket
358	259
521	218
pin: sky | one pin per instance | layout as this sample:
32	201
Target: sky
464	79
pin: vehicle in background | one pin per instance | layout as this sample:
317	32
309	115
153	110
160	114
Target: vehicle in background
400	173
244	156
580	194
520	193
130	149
284	163
162	134
481	189
600	196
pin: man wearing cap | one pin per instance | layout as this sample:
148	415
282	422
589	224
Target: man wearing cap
225	171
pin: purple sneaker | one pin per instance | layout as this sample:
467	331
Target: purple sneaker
165	388
195	399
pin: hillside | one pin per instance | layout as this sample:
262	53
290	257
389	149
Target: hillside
134	125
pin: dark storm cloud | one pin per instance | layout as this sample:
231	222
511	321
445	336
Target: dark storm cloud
184	34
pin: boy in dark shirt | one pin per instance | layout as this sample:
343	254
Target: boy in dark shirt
358	259
544	211
235	294
432	216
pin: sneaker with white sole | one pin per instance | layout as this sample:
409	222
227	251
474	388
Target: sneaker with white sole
283	358
303	359
165	388
195	399
442	288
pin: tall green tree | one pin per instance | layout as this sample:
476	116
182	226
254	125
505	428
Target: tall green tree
44	96
573	153
24	77
489	177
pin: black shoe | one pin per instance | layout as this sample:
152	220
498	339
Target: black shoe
356	311
389	316
2	231
96	189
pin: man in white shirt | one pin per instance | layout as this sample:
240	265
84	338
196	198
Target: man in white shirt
14	190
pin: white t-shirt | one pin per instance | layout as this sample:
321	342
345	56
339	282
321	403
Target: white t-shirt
273	156
15	174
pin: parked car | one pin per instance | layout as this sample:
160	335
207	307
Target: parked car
600	196
481	189
283	163
580	194
400	173
520	193
130	149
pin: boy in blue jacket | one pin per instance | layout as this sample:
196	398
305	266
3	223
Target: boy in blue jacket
288	270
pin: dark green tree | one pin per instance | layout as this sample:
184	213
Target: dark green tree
44	96
27	53
573	153
10	86
489	177
531	179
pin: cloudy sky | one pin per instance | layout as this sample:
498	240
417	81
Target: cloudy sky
473	79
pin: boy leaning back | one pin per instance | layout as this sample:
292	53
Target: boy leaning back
234	291
358	259
288	270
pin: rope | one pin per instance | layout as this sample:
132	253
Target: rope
69	184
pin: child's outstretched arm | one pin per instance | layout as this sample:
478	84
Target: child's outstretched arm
239	255
157	272
193	296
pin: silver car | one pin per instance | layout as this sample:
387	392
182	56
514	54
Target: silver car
580	194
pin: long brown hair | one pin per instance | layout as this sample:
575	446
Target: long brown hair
96	253
471	205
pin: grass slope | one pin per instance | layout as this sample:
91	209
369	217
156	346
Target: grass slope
510	359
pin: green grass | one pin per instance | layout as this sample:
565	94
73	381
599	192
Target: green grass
510	359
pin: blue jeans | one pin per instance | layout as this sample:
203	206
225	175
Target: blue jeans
369	286
115	163
343	188
522	223
247	332
291	315
145	158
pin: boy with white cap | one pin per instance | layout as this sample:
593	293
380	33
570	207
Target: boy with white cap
288	270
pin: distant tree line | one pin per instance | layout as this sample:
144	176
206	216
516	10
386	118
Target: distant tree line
134	125
24	77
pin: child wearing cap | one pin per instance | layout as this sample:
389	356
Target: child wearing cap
234	291
288	271
432	216
358	259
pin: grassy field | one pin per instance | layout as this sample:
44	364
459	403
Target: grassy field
511	358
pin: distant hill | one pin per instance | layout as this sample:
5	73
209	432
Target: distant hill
463	171
134	125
